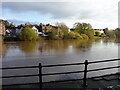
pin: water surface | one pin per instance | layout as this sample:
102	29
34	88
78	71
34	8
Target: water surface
57	52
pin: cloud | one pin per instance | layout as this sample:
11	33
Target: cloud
17	22
97	11
56	9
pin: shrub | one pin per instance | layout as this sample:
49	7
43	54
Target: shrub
74	35
78	36
84	36
71	35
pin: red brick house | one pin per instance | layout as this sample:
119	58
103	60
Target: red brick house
2	28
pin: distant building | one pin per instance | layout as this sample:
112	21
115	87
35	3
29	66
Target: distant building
12	30
2	28
34	28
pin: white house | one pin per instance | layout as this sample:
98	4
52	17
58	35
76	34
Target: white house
34	28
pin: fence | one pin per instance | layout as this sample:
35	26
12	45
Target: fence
40	75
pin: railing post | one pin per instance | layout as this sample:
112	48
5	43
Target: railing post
40	76
85	74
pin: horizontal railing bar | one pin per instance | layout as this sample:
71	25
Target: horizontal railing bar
62	81
20	84
59	73
62	65
62	73
103	69
58	64
19	67
20	76
103	61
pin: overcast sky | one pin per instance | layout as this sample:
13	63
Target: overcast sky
99	13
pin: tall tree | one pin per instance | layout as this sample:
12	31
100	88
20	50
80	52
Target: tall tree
28	34
64	29
84	28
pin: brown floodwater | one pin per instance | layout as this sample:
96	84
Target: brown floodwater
57	52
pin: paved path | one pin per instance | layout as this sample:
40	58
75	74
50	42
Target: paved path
109	82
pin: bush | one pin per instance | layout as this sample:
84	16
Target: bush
28	34
74	35
84	36
71	35
78	36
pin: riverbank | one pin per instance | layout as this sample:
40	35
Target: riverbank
42	38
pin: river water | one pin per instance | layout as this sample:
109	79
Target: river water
57	52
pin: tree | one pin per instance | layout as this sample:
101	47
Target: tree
117	33
53	34
28	34
84	28
109	33
64	29
106	31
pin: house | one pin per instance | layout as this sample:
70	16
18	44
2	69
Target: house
34	28
12	30
19	28
2	28
43	30
39	29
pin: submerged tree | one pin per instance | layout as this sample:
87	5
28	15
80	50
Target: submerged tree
117	33
64	30
110	33
28	34
84	28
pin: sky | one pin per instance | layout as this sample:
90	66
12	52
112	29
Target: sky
99	13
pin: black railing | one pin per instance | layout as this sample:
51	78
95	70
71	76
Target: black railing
40	67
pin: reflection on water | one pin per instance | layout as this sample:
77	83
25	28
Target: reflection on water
28	47
50	46
56	52
3	49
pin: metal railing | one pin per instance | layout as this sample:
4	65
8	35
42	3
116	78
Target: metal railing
40	75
